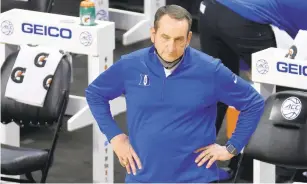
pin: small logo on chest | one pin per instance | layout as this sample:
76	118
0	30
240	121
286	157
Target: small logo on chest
144	81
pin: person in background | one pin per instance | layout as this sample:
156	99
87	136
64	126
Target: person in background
232	30
171	93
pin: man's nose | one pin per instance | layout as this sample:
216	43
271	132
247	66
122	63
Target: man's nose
171	46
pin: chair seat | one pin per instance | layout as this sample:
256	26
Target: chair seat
19	160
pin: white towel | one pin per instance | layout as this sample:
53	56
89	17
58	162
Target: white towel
32	74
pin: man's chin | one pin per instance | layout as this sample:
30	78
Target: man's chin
170	60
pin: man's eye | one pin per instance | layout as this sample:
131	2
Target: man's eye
165	37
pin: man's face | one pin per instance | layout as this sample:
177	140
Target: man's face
171	38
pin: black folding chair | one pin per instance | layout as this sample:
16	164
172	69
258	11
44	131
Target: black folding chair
281	137
21	160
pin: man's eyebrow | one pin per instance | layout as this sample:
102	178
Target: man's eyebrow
165	35
179	37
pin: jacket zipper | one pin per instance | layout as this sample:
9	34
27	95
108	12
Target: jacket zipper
162	93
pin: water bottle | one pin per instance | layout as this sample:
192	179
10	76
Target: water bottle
87	13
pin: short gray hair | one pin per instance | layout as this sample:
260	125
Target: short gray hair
175	12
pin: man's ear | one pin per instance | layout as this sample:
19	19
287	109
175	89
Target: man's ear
152	34
189	38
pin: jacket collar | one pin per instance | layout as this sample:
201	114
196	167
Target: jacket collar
157	68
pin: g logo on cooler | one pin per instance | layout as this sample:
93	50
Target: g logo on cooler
291	108
86	19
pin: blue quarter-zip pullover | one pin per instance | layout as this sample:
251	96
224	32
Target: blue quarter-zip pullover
170	117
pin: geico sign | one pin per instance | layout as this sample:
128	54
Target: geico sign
291	68
46	30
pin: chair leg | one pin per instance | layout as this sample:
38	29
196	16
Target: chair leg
51	151
238	171
293	176
55	138
44	175
30	177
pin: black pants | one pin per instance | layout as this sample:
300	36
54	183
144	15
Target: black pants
230	37
226	35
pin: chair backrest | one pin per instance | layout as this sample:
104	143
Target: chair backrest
24	114
35	5
281	136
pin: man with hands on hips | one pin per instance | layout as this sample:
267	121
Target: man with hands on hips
129	159
171	93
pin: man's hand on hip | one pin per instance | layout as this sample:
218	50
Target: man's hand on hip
125	153
211	154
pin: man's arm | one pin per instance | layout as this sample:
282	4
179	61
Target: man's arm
107	86
234	91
